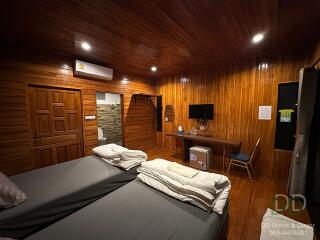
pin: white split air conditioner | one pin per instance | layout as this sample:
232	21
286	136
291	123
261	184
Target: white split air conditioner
92	70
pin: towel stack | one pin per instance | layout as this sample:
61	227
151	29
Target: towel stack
120	156
208	191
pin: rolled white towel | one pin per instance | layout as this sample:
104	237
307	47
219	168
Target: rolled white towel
133	155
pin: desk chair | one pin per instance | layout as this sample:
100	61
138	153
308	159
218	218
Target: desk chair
244	160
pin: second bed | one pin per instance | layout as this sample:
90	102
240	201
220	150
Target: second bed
137	211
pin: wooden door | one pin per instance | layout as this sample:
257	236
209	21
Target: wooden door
56	122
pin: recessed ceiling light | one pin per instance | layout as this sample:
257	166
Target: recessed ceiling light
153	68
86	46
263	66
257	38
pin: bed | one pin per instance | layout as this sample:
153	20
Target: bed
137	211
57	191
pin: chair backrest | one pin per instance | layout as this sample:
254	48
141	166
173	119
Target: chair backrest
255	150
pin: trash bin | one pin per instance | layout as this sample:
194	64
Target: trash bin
200	157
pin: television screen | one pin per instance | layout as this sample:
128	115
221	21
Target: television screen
201	111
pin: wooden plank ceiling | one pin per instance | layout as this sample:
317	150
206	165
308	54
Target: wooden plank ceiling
131	36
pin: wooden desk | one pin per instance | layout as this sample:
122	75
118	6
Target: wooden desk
187	143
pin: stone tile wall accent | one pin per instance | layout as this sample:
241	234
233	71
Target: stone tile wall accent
109	119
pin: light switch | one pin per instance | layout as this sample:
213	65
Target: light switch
90	117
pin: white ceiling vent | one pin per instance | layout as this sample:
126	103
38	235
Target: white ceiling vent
92	70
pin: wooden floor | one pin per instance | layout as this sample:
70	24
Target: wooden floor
248	200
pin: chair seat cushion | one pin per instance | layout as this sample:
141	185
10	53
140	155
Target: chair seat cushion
239	156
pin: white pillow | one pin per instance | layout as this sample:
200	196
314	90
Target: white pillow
10	194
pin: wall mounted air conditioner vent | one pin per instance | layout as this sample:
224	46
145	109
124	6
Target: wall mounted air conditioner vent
92	70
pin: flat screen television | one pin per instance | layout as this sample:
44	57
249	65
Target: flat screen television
201	111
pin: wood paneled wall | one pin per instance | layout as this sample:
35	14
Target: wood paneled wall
139	122
236	90
15	134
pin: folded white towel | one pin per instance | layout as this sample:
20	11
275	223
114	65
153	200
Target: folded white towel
126	165
217	204
205	196
117	148
208	191
210	182
182	170
275	226
109	151
120	156
133	155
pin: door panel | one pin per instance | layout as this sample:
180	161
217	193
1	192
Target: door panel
57	97
44	123
74	150
72	121
42	157
61	154
59	139
46	157
59	125
42	99
58	111
56	121
71	101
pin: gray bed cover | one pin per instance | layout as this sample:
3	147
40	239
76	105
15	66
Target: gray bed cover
56	191
136	211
